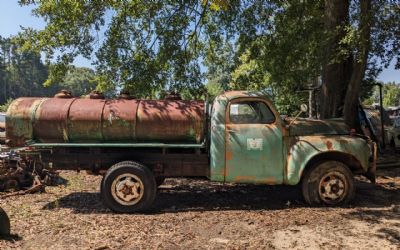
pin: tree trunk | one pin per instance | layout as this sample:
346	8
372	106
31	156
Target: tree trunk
336	71
360	65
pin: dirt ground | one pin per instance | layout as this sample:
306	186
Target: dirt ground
198	214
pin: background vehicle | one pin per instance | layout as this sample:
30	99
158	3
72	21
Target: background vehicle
137	143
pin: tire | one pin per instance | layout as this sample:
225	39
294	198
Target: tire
4	223
128	187
101	186
160	180
329	183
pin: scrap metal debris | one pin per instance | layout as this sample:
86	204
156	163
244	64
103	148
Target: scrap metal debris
22	177
37	186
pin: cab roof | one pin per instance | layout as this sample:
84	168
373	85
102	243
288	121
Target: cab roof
242	93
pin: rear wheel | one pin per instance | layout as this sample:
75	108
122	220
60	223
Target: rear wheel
328	183
128	187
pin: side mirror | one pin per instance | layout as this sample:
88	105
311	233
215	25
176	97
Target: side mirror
303	108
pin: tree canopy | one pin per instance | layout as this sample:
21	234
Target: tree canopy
280	47
22	73
390	93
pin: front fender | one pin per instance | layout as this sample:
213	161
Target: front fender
302	149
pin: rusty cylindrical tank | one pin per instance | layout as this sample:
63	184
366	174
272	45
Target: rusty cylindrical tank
58	120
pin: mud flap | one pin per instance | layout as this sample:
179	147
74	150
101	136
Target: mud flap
371	172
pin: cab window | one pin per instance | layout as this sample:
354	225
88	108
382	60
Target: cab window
250	112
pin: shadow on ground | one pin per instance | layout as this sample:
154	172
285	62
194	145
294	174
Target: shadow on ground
11	237
193	197
198	195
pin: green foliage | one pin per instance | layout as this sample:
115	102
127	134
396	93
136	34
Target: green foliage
80	81
214	89
4	106
220	63
22	73
249	75
149	47
390	92
287	57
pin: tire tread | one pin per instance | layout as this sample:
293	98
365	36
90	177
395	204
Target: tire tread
143	204
310	182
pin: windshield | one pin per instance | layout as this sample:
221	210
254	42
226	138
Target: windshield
2	118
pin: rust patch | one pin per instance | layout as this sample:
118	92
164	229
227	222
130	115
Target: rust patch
253	179
229	155
244	178
329	145
218	171
169	120
84	120
51	120
96	120
269	181
119	120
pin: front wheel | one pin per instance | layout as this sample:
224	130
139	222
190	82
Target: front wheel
328	183
128	187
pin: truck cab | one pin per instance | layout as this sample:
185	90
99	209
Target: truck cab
251	143
246	143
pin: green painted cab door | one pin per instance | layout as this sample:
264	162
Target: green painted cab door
254	144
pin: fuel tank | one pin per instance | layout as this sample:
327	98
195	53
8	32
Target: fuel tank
77	120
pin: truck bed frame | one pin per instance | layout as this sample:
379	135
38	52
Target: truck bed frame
166	160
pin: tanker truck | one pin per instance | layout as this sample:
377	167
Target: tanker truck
239	138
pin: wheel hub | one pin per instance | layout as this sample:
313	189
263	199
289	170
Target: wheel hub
332	187
127	189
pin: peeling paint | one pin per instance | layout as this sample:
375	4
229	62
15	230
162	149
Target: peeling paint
329	145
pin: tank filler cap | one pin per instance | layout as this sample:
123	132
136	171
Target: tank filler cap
96	95
63	94
125	95
173	96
